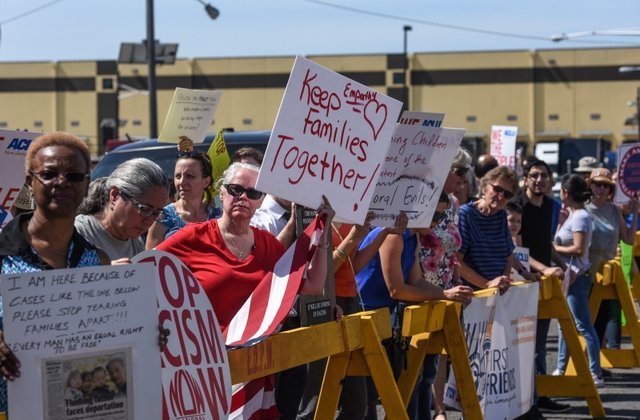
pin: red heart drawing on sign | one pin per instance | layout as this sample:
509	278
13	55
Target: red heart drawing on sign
375	114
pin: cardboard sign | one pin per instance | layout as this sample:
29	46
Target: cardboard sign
13	146
330	138
414	170
503	144
190	114
60	322
628	185
196	381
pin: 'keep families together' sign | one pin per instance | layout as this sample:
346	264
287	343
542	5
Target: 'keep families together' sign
330	138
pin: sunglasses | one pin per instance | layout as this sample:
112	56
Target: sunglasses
237	190
601	184
49	177
499	190
144	210
193	154
460	170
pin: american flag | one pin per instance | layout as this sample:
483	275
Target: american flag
261	315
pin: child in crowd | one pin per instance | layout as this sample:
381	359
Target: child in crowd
514	221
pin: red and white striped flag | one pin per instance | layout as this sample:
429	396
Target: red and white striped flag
262	313
271	301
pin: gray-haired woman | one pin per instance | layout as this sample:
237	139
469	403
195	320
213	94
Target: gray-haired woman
121	208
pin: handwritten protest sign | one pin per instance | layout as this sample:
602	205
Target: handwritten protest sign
415	169
503	144
60	322
190	114
14	145
330	137
196	381
628	172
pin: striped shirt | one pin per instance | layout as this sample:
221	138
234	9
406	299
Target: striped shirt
486	241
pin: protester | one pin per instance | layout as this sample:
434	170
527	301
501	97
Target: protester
192	177
486	254
57	173
229	257
514	221
392	278
536	234
120	208
438	247
485	163
609	228
248	155
572	242
469	189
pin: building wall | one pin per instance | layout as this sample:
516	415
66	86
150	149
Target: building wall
546	93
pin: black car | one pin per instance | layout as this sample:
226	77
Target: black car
164	154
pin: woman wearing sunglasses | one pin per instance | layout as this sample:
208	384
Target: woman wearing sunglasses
121	208
192	177
486	254
609	228
57	174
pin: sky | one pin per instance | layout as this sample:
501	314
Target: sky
62	30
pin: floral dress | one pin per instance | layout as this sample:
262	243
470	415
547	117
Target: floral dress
174	222
438	249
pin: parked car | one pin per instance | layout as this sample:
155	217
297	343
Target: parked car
164	154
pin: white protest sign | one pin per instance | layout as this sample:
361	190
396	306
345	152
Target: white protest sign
13	146
196	381
503	144
330	138
501	333
63	322
628	185
190	114
414	169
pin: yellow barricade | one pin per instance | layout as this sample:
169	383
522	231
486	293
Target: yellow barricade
611	285
435	329
552	304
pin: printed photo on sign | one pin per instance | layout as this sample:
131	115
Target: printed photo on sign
190	114
414	169
88	386
57	321
330	137
13	146
503	144
196	381
628	184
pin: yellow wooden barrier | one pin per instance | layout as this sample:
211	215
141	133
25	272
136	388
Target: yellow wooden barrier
435	328
552	304
611	285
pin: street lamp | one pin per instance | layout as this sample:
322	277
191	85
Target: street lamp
151	58
613	32
405	88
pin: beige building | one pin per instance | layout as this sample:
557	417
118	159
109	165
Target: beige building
548	94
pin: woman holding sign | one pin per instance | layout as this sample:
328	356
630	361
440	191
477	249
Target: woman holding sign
609	228
192	178
57	173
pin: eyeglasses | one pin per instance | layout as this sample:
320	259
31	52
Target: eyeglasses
144	210
460	170
539	175
237	190
600	184
49	177
499	190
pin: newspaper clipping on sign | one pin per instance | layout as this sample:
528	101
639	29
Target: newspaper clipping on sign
88	386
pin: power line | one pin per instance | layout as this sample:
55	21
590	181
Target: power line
30	12
449	26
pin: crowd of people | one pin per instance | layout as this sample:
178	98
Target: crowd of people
484	212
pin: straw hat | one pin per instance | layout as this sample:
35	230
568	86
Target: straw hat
601	175
24	201
587	164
